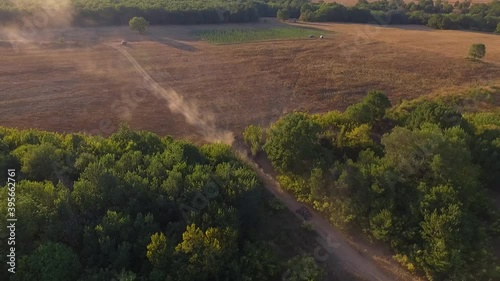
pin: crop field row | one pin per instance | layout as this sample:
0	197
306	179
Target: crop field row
253	35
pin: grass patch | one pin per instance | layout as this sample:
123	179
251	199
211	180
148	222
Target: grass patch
232	36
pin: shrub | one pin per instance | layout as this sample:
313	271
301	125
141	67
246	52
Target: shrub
138	24
477	51
498	28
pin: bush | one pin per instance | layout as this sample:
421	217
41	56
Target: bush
477	51
138	24
498	28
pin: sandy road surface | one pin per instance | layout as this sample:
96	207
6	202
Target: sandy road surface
350	259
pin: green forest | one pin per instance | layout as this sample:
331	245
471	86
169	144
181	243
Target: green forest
437	14
136	206
417	176
111	12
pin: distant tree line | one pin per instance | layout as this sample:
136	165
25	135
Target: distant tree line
119	12
415	176
435	14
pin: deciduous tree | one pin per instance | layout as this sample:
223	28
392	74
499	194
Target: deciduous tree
139	24
477	51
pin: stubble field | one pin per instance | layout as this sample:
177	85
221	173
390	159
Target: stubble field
85	84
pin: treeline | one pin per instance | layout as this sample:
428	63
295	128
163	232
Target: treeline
134	206
166	12
436	14
119	12
415	176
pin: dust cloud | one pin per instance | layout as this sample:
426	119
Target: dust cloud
204	121
49	19
31	27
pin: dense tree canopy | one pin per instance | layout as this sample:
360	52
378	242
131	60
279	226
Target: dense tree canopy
436	14
134	206
113	12
419	186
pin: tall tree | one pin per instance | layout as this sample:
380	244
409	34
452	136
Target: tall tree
292	144
477	51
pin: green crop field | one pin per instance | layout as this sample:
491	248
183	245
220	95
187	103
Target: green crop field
233	36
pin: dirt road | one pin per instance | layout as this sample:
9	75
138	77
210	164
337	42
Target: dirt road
350	259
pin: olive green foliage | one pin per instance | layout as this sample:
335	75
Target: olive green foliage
133	206
477	51
254	138
419	187
138	24
498	28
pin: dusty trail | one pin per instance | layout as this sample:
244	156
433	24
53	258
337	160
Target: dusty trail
351	260
204	122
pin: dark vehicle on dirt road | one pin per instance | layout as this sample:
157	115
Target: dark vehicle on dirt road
304	212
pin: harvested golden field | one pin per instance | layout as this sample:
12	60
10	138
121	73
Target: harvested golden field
443	43
91	86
